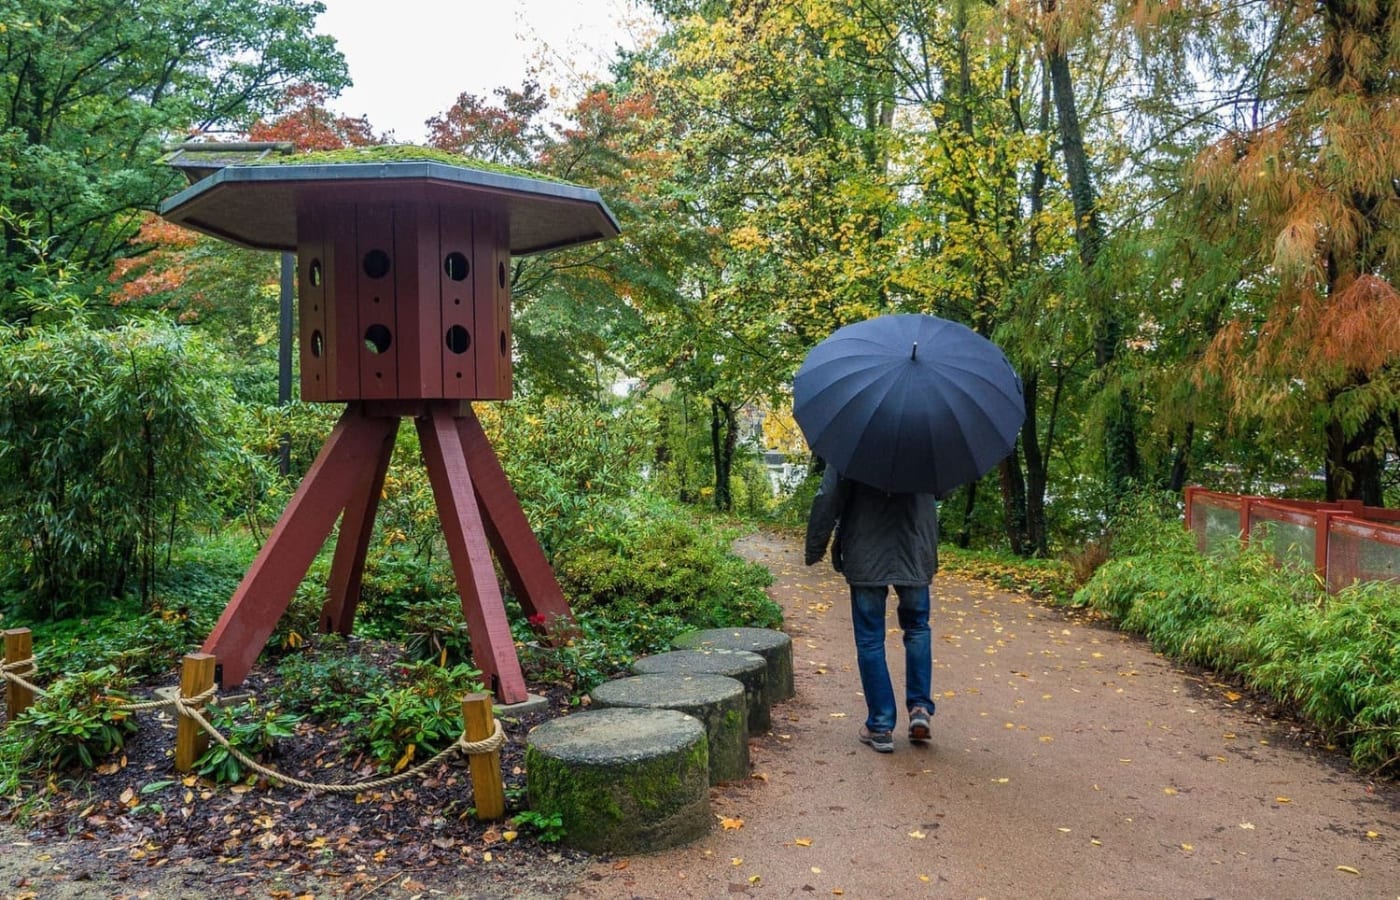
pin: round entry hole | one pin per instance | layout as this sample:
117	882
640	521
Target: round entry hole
376	264
377	339
456	266
313	273
458	339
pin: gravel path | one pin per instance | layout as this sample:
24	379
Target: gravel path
1068	760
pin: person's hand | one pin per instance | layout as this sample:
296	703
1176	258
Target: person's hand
814	558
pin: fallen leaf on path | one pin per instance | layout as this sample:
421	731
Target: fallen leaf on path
838	715
1282	800
621	864
1063	830
1247	826
759	776
730	824
1373	835
917	835
754	879
1349	870
816	871
924	878
1188	847
736	860
803	842
1169	791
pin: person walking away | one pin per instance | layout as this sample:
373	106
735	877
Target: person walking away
882	540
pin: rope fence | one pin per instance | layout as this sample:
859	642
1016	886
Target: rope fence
481	740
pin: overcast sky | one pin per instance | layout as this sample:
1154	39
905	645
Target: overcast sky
410	59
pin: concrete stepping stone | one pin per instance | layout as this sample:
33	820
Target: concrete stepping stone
774	646
747	668
623	780
716	701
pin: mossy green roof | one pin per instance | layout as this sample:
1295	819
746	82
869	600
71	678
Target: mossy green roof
386	153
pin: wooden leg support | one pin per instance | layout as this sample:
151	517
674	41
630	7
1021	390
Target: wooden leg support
352	545
348	459
517	549
493	646
196	677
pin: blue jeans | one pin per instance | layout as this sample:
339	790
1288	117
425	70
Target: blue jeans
868	617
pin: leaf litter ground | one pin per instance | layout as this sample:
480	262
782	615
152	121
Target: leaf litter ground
138	828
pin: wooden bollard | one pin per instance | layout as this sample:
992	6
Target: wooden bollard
19	647
196	677
488	784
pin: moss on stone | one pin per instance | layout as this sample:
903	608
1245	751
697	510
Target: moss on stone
642	805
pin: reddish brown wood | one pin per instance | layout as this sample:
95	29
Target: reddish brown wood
352	544
491	280
347	460
417	282
493	647
517	549
345	334
458	308
312	268
378	355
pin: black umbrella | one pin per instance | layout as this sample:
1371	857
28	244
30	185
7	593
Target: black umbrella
909	403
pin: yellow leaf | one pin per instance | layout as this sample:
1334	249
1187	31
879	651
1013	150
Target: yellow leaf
838	715
1372	835
1348	869
837	891
405	759
1232	696
925	878
803	842
917	835
486	857
509	836
754	879
1169	791
759	776
736	860
1188	847
1282	800
1063	830
816	871
729	824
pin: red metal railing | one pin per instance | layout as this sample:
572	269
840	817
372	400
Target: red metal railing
1343	542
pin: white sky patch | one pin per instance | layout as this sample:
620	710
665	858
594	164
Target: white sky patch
410	59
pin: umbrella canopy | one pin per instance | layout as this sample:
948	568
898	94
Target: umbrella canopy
909	403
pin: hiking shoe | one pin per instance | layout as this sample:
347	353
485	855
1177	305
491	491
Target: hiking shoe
919	729
879	741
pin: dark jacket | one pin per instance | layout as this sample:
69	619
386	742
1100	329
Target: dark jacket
881	538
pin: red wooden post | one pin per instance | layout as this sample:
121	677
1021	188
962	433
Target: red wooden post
352	545
493	646
346	460
517	549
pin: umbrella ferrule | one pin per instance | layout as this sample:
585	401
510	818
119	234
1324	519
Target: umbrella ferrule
915	354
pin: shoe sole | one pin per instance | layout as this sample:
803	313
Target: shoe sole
920	733
878	747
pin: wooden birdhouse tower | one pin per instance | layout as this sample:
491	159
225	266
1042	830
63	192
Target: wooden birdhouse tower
403	278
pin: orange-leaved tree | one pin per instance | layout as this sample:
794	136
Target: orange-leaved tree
1315	176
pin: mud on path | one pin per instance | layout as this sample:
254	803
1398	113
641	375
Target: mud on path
1068	760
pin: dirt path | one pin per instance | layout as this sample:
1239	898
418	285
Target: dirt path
1068	761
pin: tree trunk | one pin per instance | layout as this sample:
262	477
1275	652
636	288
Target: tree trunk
1120	431
724	438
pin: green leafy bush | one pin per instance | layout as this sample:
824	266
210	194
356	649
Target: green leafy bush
421	717
108	438
1334	659
650	554
328	682
76	723
252	731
